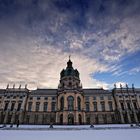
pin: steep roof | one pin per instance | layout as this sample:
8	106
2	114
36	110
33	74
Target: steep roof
52	92
2	91
96	91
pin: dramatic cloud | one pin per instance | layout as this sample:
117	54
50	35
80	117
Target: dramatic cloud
37	37
134	71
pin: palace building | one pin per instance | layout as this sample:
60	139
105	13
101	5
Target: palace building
70	103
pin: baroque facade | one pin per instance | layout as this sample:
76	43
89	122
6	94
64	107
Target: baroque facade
70	103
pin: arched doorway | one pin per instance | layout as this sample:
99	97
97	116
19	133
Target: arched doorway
70	119
80	119
61	119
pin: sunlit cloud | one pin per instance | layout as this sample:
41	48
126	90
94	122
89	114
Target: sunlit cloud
37	38
121	84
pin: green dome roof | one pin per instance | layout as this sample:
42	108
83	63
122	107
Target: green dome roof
69	71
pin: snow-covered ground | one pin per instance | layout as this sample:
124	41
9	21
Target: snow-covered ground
80	134
71	126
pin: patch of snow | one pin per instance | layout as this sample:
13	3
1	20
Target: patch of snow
71	126
127	134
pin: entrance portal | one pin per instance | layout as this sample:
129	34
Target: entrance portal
70	119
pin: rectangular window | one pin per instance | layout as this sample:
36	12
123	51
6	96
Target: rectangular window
110	106
12	106
128	106
113	118
122	106
36	119
135	105
87	98
109	97
53	106
95	106
8	97
30	106
19	106
126	96
45	106
53	98
87	106
14	97
132	96
27	119
46	98
102	97
94	97
6	106
38	98
102	106
37	106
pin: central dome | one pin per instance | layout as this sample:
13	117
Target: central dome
69	71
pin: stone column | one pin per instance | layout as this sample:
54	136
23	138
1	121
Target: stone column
22	109
65	117
57	117
57	109
13	116
119	109
133	108
75	108
58	103
76	104
1	109
83	108
65	102
126	107
7	113
41	107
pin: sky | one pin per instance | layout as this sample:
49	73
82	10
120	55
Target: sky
37	37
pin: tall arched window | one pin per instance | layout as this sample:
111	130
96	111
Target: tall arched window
62	103
79	103
70	103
